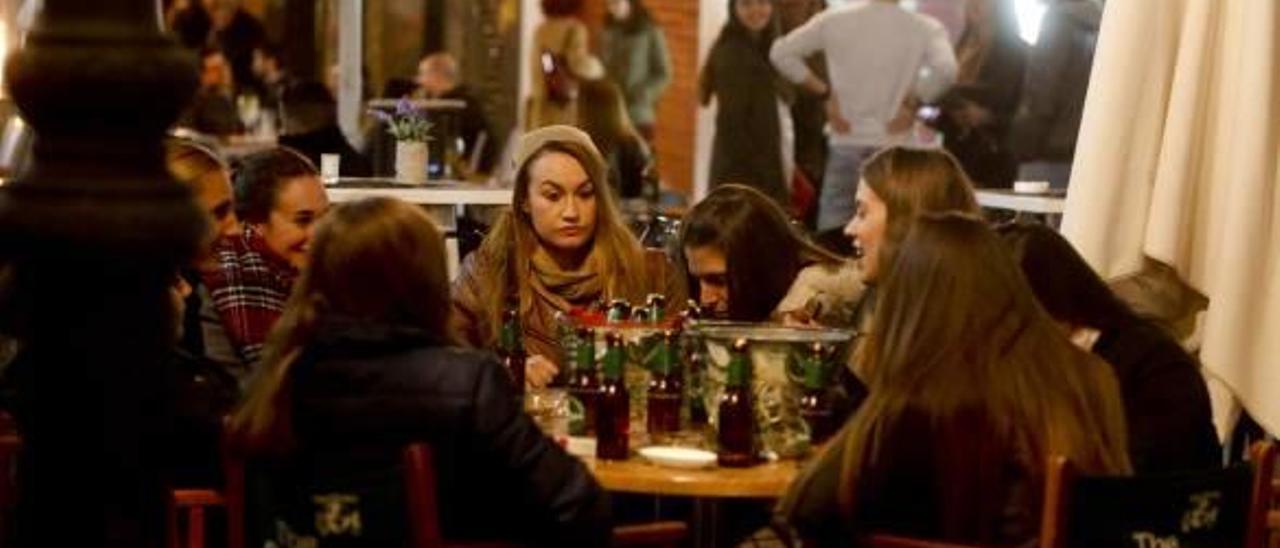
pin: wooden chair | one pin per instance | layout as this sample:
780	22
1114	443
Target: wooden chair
10	445
892	541
422	508
1226	507
420	489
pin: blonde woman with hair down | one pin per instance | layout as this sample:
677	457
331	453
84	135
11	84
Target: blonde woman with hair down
561	245
972	388
209	179
361	363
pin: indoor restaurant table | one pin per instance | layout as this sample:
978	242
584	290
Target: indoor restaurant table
706	487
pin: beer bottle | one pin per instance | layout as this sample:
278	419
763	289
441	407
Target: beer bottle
666	388
815	400
582	384
613	405
619	311
736	436
511	349
656	304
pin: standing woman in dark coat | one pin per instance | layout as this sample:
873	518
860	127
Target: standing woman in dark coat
747	89
978	111
1166	401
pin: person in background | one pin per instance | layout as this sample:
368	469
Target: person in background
634	50
237	33
721	240
561	245
749	95
875	52
1057	79
976	113
438	78
808	111
270	73
189	23
972	387
362	364
602	113
564	36
279	198
1165	397
311	127
213	110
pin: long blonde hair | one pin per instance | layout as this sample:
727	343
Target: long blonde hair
189	162
511	243
960	345
377	260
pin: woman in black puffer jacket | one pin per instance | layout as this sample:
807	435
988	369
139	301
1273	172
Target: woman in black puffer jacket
361	365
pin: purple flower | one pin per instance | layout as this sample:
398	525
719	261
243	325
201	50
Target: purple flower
382	116
404	107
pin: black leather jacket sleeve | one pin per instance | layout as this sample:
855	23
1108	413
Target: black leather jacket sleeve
562	503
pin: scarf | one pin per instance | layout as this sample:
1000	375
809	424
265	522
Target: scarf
565	288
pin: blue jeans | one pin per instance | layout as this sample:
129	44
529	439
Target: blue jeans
839	183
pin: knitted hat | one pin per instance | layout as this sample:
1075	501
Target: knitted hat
536	140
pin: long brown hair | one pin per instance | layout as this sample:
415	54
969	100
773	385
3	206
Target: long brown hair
912	181
763	251
511	243
378	260
959	344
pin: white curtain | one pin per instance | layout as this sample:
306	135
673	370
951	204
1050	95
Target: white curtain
1178	163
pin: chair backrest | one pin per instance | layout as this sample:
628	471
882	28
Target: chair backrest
894	541
1223	507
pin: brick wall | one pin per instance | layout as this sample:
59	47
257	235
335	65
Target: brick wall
677	110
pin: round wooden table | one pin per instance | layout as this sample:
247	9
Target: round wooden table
706	487
636	475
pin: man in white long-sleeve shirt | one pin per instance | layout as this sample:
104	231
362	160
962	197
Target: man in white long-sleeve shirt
875	53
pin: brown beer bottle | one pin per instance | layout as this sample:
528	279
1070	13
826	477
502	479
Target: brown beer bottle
736	436
815	401
511	349
666	388
613	405
582	384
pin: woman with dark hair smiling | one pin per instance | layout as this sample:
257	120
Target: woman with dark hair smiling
1165	397
279	197
972	388
634	51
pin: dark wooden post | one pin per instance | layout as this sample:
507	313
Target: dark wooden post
91	236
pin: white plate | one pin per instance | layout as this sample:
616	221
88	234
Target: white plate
678	457
1030	187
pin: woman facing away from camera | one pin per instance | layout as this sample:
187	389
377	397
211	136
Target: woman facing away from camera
362	363
561	245
1165	398
972	388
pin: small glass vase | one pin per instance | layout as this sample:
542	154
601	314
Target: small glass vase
411	161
